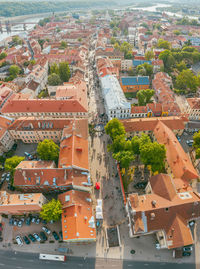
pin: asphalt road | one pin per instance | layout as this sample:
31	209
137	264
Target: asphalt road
20	260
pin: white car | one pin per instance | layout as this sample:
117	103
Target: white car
19	240
46	230
37	237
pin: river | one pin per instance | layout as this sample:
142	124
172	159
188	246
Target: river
18	29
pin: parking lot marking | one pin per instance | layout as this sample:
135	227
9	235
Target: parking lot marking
13	258
2	264
80	264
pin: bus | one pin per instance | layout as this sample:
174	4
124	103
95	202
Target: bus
51	257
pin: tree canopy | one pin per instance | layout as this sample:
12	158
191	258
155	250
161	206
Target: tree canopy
14	70
144	96
153	154
149	54
64	71
51	211
114	128
124	158
163	44
3	55
12	163
48	150
54	80
186	80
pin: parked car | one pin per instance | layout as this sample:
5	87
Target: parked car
37	237
55	235
43	236
19	240
44	221
14	147
33	220
188	248
8	177
186	253
61	236
15	223
26	240
32	238
46	230
37	221
19	223
28	221
178	138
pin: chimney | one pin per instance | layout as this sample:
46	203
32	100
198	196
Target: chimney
153	203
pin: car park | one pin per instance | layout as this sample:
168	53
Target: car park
19	240
43	236
32	238
55	235
46	230
37	237
26	240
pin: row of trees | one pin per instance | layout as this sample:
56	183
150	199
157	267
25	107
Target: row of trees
58	74
125	151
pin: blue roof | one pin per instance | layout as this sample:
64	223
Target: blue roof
139	62
126	81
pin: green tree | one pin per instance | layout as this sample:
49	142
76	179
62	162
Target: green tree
196	138
32	62
3	55
54	80
181	66
144	96
162	44
113	40
12	163
177	32
54	69
51	211
198	153
149	54
187	80
124	158
135	143
48	150
63	44
168	59
64	71
114	128
118	144
153	154
14	70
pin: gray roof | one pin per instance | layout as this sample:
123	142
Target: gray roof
113	93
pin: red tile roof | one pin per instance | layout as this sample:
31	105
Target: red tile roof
77	219
42	105
165	210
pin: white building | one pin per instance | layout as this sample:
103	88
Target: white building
116	104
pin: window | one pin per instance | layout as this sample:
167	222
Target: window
167	209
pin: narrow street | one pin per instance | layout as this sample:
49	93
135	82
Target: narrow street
103	167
